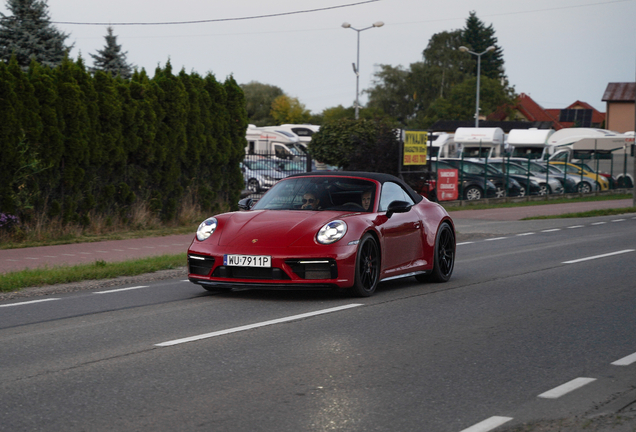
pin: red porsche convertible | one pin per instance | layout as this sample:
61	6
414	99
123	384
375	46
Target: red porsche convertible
325	230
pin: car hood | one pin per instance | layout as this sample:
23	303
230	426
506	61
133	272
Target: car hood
279	228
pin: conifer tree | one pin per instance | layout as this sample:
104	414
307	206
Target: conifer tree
477	37
112	59
28	34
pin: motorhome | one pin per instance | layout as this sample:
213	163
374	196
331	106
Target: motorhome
480	143
606	152
303	131
268	141
530	143
441	145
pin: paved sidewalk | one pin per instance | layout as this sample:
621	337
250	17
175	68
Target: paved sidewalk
518	213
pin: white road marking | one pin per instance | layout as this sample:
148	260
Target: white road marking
566	388
488	424
464	243
120	289
626	361
598	256
599	223
618	220
525	234
29	302
576	226
256	325
495	238
552	230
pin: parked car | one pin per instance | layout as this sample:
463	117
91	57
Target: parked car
504	184
259	175
280	243
471	187
540	169
613	182
601	182
553	186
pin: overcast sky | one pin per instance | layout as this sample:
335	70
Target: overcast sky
557	51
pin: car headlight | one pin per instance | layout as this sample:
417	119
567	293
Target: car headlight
206	228
332	232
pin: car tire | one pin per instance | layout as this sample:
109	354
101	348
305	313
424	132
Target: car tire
501	192
522	191
367	272
473	193
253	186
443	257
544	189
584	187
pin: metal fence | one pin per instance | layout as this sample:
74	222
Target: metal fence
261	171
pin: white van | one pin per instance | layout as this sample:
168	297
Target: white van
479	143
268	141
530	143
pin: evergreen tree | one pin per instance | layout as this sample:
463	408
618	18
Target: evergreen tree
477	37
112	59
28	34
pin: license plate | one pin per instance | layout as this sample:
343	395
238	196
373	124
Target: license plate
247	260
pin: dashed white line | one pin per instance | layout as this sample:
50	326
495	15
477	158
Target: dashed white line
488	424
256	325
566	388
120	289
29	302
576	226
464	243
598	256
525	234
619	220
552	230
495	238
599	223
626	361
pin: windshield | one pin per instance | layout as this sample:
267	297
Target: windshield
318	193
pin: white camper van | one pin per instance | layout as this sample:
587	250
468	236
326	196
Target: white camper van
479	143
442	145
269	141
303	131
530	143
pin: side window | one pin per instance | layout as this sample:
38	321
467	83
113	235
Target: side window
392	192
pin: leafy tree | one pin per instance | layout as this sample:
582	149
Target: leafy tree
477	37
460	105
28	34
289	110
112	59
360	145
258	102
392	92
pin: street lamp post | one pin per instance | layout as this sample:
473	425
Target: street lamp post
464	49
356	66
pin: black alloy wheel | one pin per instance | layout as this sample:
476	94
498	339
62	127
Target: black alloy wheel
367	267
444	256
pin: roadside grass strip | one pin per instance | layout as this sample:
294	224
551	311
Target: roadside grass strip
625	361
566	388
256	325
488	424
99	269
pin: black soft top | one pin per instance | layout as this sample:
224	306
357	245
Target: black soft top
379	177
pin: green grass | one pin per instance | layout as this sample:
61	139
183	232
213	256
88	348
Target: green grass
14	281
591	213
564	200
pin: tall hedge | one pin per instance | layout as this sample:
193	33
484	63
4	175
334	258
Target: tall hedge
75	143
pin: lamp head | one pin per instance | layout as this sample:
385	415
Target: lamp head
346	25
490	48
378	24
463	49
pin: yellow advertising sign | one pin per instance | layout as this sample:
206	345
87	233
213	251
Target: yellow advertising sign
415	147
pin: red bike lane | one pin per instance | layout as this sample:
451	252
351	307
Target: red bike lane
83	253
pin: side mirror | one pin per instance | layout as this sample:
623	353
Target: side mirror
246	203
397	207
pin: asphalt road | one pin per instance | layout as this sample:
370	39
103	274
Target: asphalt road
532	306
